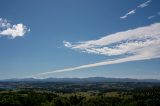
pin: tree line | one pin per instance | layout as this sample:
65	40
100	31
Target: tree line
136	97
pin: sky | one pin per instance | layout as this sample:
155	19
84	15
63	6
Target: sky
80	38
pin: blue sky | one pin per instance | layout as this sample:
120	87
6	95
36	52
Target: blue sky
42	36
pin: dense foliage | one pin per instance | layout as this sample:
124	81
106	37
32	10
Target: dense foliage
148	96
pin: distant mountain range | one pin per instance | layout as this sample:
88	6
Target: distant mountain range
90	79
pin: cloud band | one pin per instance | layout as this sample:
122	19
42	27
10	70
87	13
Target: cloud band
140	44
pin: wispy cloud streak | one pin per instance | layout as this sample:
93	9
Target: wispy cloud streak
10	30
145	4
136	44
115	61
126	42
129	13
153	16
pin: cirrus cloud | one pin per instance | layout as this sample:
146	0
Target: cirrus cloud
153	16
133	42
132	45
145	4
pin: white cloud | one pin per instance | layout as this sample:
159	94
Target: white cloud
129	13
67	44
126	42
145	4
4	23
7	29
152	16
139	44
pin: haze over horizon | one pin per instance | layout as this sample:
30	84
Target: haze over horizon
78	39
